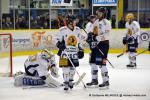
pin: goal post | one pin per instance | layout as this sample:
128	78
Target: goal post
6	54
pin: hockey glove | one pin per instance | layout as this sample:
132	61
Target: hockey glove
61	45
89	38
80	53
124	41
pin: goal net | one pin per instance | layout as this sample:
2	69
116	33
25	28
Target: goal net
5	54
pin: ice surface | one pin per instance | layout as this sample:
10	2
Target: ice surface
123	82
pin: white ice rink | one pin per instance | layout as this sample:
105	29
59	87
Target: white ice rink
125	84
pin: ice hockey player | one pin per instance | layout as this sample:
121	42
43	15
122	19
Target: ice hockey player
98	40
131	39
89	25
69	41
37	71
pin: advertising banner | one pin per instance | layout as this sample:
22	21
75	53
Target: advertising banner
105	2
61	2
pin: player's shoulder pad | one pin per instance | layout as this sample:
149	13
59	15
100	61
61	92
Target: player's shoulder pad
135	23
62	28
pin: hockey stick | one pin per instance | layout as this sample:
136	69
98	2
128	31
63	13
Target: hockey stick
74	68
141	52
122	52
120	55
106	58
101	52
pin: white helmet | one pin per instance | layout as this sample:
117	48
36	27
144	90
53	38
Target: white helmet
46	54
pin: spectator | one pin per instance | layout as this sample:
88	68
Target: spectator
22	23
3	23
35	25
7	24
45	25
17	23
80	22
121	23
113	21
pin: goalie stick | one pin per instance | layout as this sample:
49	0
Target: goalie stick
80	79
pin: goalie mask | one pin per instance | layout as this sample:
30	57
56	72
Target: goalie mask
46	54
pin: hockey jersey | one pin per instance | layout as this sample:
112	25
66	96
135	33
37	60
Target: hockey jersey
37	63
134	27
73	41
104	30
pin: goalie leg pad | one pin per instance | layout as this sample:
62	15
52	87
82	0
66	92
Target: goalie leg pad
23	79
51	82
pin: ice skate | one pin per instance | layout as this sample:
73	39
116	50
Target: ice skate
71	84
132	65
94	82
104	85
66	86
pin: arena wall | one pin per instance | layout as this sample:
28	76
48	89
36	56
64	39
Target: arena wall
29	40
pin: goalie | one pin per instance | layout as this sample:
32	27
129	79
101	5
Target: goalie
37	69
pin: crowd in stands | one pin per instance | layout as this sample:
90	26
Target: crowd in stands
43	22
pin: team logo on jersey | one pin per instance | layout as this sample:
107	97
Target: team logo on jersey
72	40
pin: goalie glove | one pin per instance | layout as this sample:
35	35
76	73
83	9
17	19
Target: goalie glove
54	71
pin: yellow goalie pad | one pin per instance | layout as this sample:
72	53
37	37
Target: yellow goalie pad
63	62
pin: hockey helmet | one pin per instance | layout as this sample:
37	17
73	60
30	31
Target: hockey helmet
102	10
70	19
129	16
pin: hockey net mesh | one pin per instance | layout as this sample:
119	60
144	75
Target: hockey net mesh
5	55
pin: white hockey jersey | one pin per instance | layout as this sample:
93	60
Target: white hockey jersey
42	68
73	40
104	30
135	28
88	27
